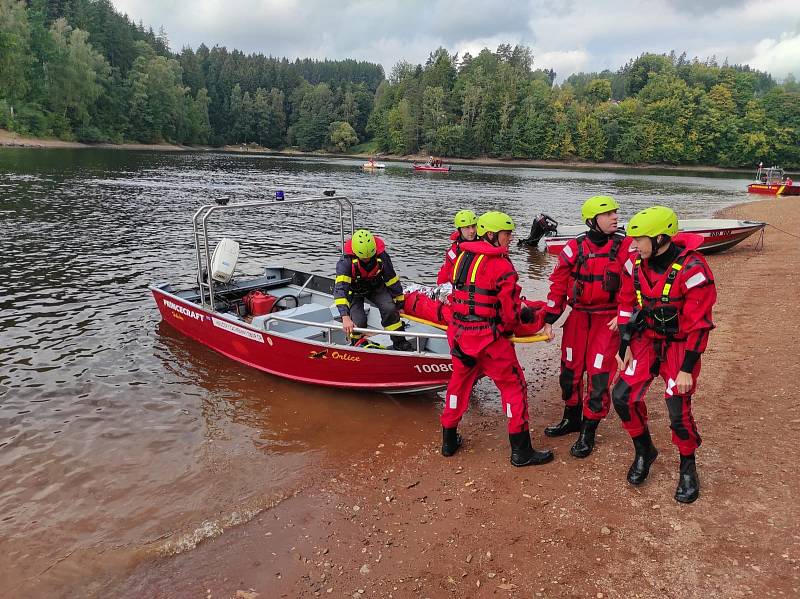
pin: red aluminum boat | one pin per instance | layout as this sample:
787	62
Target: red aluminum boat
432	169
434	165
772	181
285	322
719	234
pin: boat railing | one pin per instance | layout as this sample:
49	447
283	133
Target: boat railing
201	219
327	327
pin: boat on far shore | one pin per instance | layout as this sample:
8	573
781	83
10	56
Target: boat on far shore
371	165
433	165
774	182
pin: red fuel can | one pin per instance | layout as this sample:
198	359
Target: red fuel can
259	303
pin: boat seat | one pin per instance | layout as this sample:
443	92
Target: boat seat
308	312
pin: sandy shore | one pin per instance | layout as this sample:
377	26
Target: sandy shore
404	522
11	139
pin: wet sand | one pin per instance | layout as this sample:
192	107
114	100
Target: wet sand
12	139
402	521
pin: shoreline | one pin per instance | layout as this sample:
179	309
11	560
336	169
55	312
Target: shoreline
10	139
410	523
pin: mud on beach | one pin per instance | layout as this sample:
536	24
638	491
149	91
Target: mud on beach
402	521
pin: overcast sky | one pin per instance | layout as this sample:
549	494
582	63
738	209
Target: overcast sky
566	35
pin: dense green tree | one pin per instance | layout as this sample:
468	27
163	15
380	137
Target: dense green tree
15	55
74	78
311	131
342	135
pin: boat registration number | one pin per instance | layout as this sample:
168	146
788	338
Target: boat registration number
434	367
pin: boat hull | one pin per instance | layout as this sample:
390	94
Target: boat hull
432	169
316	363
715	239
772	190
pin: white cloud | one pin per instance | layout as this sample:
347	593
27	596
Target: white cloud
566	35
779	57
563	62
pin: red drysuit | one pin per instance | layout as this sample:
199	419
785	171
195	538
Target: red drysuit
485	312
675	321
584	278
446	271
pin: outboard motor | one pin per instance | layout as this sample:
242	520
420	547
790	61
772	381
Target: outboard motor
542	224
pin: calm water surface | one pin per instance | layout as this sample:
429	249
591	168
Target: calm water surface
119	439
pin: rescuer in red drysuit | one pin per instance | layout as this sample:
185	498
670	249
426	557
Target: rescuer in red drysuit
587	277
665	317
465	222
486	309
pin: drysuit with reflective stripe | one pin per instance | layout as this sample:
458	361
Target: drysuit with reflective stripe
486	310
374	280
670	298
446	271
587	277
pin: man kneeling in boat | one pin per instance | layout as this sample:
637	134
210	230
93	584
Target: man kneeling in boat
365	271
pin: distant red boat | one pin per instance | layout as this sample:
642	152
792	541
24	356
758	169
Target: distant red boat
433	165
773	182
719	234
434	169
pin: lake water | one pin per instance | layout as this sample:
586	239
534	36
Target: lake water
120	440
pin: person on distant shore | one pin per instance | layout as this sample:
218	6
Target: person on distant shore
465	222
587	278
485	311
365	271
665	317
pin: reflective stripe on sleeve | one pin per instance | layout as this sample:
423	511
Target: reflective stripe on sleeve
695	280
344	279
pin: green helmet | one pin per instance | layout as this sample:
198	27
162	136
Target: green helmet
364	244
495	222
598	205
465	218
652	222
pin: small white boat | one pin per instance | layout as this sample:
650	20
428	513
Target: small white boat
371	165
719	234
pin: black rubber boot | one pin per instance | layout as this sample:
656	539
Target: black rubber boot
570	423
523	453
585	443
403	344
688	484
646	454
451	441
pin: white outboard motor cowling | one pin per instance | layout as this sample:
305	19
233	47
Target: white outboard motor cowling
223	260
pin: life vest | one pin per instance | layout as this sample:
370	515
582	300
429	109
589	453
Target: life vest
474	306
365	279
661	309
601	275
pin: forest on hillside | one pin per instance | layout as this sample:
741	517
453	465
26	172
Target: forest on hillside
79	70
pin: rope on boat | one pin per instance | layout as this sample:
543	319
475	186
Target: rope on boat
782	231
